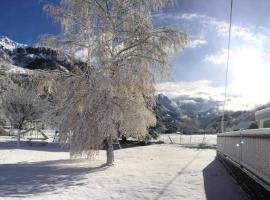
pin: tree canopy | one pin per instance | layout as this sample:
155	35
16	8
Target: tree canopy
115	94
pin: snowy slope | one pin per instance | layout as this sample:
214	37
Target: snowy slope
13	69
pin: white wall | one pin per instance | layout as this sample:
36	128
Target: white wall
249	148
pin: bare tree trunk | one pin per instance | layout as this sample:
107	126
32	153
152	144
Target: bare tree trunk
109	150
19	138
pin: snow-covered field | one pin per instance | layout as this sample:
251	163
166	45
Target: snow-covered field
155	172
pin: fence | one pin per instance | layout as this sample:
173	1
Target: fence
250	149
189	139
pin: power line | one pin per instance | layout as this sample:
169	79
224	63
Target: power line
227	69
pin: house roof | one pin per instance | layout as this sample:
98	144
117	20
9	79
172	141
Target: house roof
262	114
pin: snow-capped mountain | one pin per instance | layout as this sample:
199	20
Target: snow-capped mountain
188	115
14	55
196	115
8	44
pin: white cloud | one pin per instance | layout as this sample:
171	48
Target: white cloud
249	70
221	27
197	43
239	32
191	17
237	99
197	89
220	58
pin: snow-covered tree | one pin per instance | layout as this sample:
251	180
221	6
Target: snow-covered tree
114	95
21	104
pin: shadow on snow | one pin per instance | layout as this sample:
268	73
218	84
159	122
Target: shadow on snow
27	179
218	184
199	146
50	147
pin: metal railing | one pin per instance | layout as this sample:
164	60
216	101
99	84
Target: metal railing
248	148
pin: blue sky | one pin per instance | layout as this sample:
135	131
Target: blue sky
200	69
23	20
207	23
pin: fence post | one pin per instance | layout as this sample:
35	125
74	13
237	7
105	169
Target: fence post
240	146
180	139
170	139
203	141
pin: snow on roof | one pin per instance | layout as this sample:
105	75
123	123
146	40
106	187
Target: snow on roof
261	114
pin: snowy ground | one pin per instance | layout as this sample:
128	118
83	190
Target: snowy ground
155	172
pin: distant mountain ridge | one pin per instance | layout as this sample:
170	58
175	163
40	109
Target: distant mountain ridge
8	44
183	114
196	115
20	58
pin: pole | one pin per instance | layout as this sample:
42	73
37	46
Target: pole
227	69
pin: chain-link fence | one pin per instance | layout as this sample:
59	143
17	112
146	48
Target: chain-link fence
181	139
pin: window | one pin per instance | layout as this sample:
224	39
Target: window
266	124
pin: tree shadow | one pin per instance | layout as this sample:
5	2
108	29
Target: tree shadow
49	147
27	179
199	146
218	184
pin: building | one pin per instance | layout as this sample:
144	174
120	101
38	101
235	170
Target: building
263	118
244	125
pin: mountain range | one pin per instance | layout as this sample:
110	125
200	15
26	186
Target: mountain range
196	115
20	58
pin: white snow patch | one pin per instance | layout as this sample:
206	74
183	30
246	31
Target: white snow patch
32	55
9	44
19	70
153	172
13	69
